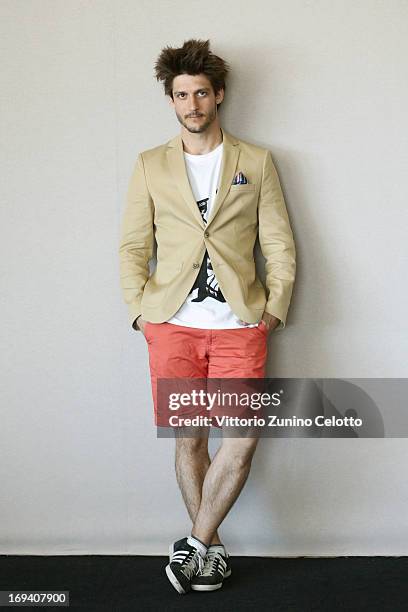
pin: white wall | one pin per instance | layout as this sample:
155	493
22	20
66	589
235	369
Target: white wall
323	86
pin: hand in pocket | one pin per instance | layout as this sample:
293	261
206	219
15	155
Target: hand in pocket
141	323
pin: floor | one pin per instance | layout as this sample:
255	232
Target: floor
117	583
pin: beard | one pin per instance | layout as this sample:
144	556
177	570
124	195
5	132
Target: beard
197	129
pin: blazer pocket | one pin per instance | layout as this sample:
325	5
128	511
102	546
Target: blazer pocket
158	283
245	187
165	271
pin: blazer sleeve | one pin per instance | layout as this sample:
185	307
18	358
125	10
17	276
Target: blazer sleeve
136	241
277	244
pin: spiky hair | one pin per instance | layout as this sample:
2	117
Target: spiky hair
193	58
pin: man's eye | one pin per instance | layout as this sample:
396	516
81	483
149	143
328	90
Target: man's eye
204	93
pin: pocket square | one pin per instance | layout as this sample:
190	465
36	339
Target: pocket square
240	179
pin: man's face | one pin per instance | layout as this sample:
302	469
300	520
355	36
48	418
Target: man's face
195	102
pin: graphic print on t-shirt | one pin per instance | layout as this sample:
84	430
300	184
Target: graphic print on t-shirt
206	284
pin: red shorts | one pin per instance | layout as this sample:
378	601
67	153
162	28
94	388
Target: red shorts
177	351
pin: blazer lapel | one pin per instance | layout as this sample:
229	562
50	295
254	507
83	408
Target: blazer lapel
175	157
227	172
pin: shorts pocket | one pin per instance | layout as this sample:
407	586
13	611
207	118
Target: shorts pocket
151	329
146	332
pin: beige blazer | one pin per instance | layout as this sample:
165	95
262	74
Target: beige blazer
160	205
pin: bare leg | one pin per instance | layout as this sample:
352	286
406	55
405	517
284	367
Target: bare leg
192	462
223	483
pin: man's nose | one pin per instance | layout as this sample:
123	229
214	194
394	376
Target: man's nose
193	103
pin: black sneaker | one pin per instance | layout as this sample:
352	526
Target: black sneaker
185	562
216	567
179	545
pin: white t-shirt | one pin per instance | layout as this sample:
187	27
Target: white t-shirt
205	307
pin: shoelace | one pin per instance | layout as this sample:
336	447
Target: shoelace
192	563
211	563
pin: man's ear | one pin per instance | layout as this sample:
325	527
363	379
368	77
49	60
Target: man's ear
219	96
171	101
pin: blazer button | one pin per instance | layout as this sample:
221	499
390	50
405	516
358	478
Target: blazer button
196	265
206	234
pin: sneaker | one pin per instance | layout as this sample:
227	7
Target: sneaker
185	562
216	567
179	545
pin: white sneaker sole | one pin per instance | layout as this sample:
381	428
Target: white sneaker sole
210	587
174	580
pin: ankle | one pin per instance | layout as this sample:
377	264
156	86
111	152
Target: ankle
197	543
215	540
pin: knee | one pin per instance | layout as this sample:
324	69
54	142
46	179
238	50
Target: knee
192	446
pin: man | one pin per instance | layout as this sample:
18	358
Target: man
205	196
